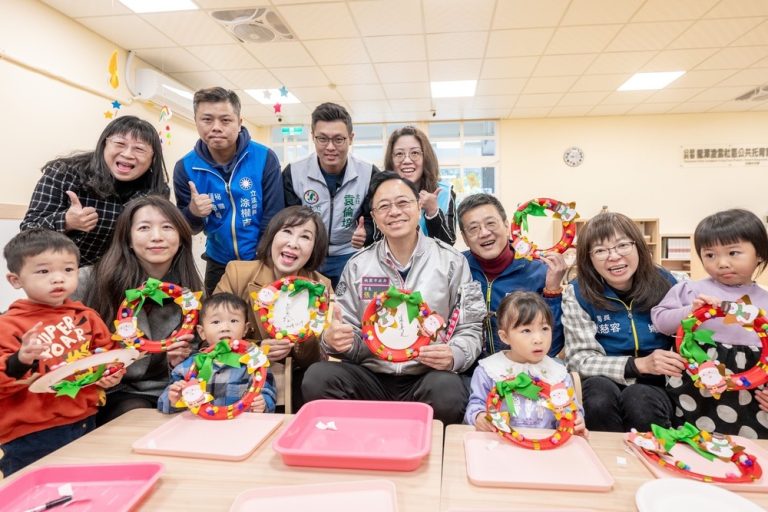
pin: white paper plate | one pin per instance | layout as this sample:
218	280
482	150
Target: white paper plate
123	355
678	495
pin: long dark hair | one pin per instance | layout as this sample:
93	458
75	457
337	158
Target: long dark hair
430	169
119	269
648	285
93	171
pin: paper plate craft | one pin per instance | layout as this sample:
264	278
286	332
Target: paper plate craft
566	212
126	324
657	446
559	398
397	323
293	308
234	353
70	378
710	374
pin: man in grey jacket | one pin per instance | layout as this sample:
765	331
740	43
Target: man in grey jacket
407	260
334	184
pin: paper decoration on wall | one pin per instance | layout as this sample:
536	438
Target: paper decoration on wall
114	81
278	108
267	94
284	91
114	107
165	125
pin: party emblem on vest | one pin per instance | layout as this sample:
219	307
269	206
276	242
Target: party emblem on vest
311	197
246	183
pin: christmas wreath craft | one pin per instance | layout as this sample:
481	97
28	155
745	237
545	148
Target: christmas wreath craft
293	308
68	379
397	323
566	212
711	375
126	324
558	398
233	353
657	447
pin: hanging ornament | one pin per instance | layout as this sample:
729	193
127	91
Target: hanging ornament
284	91
114	80
278	108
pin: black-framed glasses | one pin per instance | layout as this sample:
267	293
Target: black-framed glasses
415	155
337	141
622	249
400	204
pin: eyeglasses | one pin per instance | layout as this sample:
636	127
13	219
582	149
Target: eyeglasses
400	204
622	249
337	141
121	145
474	230
414	154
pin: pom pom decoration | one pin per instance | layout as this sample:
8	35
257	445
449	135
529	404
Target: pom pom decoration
566	212
233	353
709	374
292	308
558	398
126	323
397	323
657	447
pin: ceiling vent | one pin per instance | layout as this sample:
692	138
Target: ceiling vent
756	94
254	25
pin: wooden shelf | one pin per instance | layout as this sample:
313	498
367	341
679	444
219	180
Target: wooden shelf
680	247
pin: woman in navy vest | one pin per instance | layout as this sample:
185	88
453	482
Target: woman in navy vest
609	337
410	155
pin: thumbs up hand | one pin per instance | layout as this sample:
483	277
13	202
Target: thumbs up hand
358	237
200	205
78	217
339	336
428	201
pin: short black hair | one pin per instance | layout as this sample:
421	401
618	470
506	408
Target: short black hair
36	241
475	200
384	176
522	308
228	300
733	226
216	95
330	112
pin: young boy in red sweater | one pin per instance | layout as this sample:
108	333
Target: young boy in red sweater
38	334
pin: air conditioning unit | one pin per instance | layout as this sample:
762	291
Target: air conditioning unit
756	94
254	25
153	86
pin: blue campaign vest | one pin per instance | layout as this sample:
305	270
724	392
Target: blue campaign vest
233	229
443	201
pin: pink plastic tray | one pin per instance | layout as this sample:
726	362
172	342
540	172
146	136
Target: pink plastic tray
186	435
494	462
391	436
716	467
369	495
97	487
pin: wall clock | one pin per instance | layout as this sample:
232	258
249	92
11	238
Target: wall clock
573	156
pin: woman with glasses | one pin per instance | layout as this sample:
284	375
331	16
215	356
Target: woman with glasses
609	337
410	155
410	261
82	195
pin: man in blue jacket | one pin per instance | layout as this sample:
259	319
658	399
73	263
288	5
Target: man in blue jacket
485	229
228	186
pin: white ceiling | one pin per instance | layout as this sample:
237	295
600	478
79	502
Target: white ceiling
532	58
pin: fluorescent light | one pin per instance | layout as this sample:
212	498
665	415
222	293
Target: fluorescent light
181	92
145	6
650	81
453	89
272	96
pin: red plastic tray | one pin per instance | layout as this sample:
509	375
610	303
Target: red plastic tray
368	495
108	487
390	436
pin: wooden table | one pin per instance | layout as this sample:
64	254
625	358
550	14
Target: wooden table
197	484
459	493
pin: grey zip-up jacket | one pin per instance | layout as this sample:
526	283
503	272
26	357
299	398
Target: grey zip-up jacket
440	273
304	185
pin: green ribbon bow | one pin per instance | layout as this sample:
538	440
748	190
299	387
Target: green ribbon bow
522	384
150	290
669	437
315	290
71	388
690	348
222	353
412	301
533	208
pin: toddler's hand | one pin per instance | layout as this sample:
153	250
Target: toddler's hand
703	300
761	395
580	427
482	424
258	404
32	347
112	380
174	392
